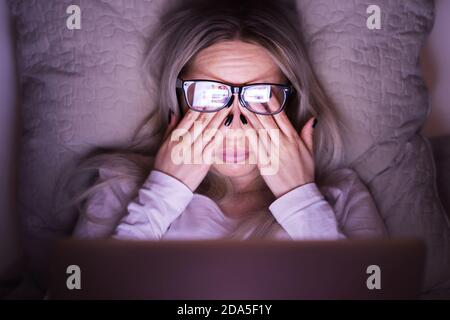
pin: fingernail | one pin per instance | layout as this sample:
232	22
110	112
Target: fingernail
228	120
243	119
314	123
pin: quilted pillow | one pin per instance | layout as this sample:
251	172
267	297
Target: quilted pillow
83	89
374	79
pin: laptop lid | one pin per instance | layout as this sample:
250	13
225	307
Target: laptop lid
227	269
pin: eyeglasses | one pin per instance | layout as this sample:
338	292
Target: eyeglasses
212	96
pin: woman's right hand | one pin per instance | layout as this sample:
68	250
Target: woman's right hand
201	147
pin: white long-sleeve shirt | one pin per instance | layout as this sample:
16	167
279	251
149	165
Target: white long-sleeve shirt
165	208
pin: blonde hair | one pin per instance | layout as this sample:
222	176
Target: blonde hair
186	29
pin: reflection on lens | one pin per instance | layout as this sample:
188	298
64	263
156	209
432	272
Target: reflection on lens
264	99
211	96
207	96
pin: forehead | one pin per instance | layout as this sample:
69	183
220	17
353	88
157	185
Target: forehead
234	62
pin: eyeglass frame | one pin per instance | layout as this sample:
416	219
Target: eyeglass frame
287	89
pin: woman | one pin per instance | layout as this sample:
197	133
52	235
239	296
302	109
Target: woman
226	68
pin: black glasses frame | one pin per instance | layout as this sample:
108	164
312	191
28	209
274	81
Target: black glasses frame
184	84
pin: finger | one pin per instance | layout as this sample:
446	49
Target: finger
188	120
187	124
213	123
268	122
170	125
208	153
281	120
270	104
199	124
258	145
259	133
259	123
203	136
285	124
307	135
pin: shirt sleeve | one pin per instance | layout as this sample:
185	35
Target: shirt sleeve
306	214
104	207
160	201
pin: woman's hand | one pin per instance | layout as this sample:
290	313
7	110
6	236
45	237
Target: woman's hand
293	152
187	169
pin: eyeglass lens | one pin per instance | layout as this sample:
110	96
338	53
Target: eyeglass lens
212	96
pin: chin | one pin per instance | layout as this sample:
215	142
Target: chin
234	169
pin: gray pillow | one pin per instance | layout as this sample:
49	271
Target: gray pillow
374	79
83	89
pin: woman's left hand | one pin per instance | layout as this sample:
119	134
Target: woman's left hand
288	154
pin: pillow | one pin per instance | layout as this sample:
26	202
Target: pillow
83	89
373	78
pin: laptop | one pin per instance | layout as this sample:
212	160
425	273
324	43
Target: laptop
230	269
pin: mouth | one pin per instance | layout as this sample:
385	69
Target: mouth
234	156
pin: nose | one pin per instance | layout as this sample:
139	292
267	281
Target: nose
234	133
239	121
